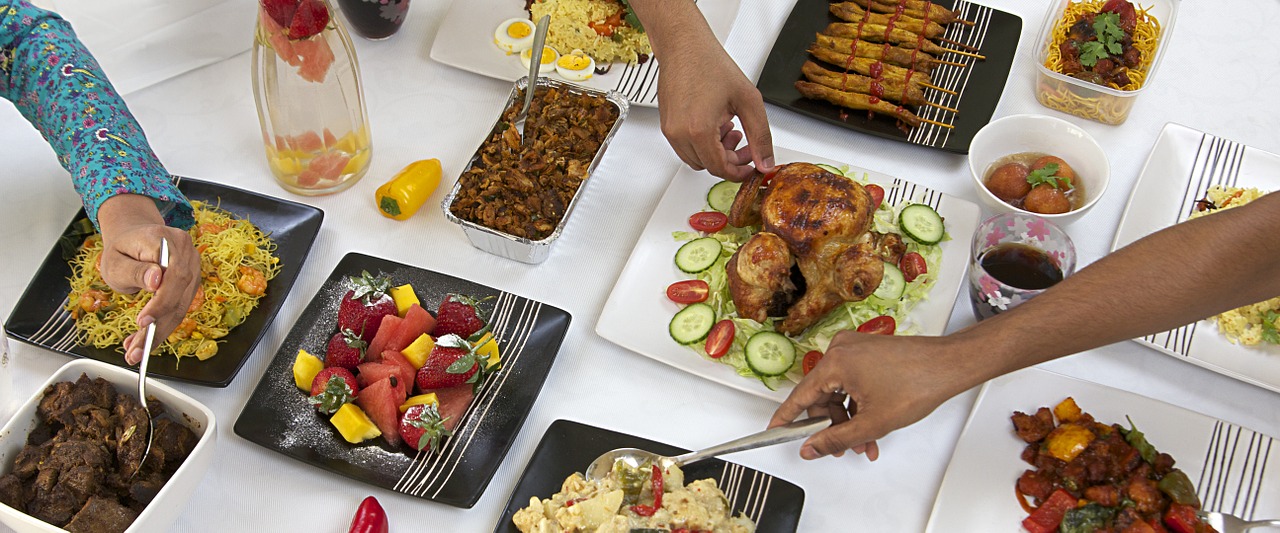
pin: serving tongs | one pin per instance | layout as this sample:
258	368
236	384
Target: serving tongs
142	367
634	458
535	61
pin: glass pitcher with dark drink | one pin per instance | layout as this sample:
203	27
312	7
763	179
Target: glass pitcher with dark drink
375	19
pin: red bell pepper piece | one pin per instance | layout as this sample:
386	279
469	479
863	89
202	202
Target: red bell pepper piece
1182	519
369	518
645	510
1045	519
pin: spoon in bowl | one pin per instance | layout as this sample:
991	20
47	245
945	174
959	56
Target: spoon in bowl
603	465
535	61
142	368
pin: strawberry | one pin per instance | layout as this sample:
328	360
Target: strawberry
422	428
452	362
310	19
333	387
363	307
346	349
281	11
458	315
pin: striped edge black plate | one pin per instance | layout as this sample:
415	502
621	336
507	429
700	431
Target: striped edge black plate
40	317
774	504
978	84
278	417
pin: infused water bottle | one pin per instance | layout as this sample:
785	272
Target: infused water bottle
306	82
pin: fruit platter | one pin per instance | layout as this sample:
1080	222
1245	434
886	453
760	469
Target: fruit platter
406	379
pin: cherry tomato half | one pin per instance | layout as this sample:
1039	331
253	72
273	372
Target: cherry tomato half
912	265
708	221
810	360
720	338
877	194
689	291
881	325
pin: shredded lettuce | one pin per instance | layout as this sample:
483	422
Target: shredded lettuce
847	316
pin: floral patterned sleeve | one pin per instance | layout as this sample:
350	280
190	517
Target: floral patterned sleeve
59	87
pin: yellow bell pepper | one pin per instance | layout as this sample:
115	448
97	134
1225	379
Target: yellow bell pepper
401	197
1067	441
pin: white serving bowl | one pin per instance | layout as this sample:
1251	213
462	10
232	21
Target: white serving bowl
170	501
1039	133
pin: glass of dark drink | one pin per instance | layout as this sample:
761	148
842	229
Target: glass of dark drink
1014	257
375	19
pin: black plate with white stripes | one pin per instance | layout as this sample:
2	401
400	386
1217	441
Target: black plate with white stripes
978	84
278	417
40	319
773	503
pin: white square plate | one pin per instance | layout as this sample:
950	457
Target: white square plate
465	41
637	312
1234	468
1182	166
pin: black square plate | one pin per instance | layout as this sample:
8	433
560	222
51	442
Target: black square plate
995	34
774	504
40	319
529	334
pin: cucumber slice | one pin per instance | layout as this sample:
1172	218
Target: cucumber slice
698	255
721	195
770	353
922	223
892	284
830	169
692	323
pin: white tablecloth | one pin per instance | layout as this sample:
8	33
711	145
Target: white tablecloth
203	124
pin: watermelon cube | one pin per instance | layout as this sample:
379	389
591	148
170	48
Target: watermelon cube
416	322
381	401
386	329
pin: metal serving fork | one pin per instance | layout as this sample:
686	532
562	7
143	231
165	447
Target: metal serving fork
142	368
535	61
1226	523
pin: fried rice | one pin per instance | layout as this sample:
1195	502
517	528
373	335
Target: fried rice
571	29
1252	324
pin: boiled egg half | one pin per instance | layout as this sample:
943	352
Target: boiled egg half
514	35
549	58
577	66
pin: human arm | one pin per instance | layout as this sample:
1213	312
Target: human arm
57	86
1173	277
700	90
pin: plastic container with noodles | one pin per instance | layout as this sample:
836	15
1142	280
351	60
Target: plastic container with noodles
1083	98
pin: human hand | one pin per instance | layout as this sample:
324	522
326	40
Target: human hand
131	232
700	91
870	385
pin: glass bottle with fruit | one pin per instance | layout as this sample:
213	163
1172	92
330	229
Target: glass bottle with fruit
306	81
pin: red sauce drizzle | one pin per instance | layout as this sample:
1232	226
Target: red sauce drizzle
853	52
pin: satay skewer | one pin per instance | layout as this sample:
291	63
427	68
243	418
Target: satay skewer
886	89
862	102
878	33
869	67
897	55
916	8
852	12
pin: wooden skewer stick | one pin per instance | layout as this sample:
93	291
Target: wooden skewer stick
961	45
964	53
945	62
935	123
942	107
936	88
967	22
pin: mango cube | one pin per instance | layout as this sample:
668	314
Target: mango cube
418	350
488	346
305	368
353	424
421	399
404	297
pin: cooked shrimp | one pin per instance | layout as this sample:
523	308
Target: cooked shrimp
93	300
197	300
252	282
184	330
209	228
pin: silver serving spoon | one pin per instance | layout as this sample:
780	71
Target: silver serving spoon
634	458
535	60
142	367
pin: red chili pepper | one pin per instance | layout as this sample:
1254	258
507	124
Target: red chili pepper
574	501
646	510
369	518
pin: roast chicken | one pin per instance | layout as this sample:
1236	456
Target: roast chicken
813	221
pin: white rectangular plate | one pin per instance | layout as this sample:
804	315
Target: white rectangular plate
465	41
1182	166
637	312
1235	470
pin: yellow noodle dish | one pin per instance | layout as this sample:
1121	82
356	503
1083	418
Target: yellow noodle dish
236	261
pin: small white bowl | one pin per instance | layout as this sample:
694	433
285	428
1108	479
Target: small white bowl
170	501
1049	135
